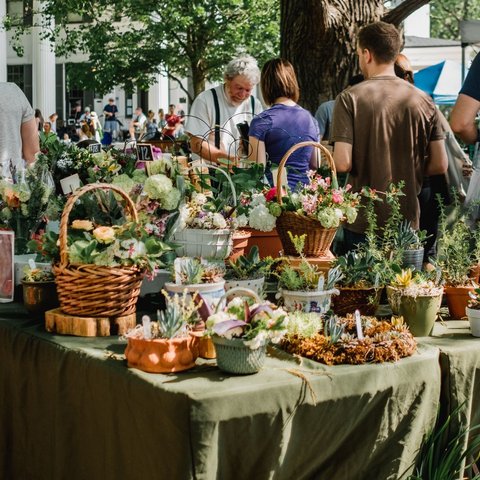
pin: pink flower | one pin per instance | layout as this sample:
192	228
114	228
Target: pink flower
337	196
309	204
348	187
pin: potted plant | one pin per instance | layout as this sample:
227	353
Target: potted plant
361	283
473	311
417	297
410	242
204	228
247	271
241	331
455	257
39	290
198	276
165	346
304	287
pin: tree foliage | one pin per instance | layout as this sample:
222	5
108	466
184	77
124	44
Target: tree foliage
445	16
128	41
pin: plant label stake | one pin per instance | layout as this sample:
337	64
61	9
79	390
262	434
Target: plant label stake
146	327
358	323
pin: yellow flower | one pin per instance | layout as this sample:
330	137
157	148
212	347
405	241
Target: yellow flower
82	225
104	234
404	279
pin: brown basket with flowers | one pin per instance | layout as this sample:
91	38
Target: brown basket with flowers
96	290
318	238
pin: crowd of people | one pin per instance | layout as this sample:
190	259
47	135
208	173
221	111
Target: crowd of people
381	128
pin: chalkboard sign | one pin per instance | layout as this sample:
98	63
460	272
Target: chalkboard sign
144	152
94	147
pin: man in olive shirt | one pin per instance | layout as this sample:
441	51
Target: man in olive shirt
385	130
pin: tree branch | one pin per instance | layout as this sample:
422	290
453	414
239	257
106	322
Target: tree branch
180	84
398	14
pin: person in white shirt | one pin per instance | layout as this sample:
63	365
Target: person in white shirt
137	125
215	113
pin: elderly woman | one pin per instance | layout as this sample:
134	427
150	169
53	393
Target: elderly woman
215	113
283	125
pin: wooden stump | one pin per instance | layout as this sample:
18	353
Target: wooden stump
322	263
58	322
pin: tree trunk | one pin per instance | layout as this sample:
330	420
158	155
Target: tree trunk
319	38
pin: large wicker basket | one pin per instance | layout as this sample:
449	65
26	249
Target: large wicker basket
93	290
319	239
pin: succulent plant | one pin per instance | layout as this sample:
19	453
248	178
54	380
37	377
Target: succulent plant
247	266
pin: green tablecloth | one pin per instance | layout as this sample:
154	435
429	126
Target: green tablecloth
70	408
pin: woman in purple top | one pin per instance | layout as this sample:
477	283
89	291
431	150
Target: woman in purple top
283	125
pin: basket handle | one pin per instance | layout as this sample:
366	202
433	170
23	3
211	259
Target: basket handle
238	291
292	149
232	186
71	202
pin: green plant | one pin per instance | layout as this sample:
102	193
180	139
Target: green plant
306	276
360	269
442	460
37	275
188	271
455	255
247	266
474	301
409	239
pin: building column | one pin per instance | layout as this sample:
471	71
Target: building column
43	68
3	44
158	94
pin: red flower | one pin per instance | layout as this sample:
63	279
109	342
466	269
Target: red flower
271	194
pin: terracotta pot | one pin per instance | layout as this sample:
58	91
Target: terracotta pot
475	273
365	300
457	301
268	243
240	244
206	348
38	297
162	355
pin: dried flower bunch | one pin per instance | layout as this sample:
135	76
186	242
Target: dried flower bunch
338	342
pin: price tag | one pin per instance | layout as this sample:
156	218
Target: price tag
144	152
94	147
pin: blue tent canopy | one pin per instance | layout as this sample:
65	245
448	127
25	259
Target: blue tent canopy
442	81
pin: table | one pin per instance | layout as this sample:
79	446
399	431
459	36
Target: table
70	408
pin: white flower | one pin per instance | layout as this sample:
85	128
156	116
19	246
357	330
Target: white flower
199	198
170	199
157	186
241	221
134	248
257	341
184	213
216	318
351	214
219	221
258	199
236	302
233	332
261	219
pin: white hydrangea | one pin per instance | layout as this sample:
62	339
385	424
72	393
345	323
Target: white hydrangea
258	341
328	218
241	221
258	199
170	200
351	213
157	186
216	318
199	198
219	221
184	214
261	219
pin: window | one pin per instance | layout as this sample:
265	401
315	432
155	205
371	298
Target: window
21	75
21	11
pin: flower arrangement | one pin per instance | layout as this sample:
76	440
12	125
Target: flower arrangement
37	275
258	210
111	246
205	212
255	324
336	340
323	200
24	200
414	283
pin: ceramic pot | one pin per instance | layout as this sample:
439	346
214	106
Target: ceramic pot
474	319
457	300
162	355
268	243
419	312
233	356
239	244
211	292
39	297
206	348
197	242
413	258
314	301
255	284
366	300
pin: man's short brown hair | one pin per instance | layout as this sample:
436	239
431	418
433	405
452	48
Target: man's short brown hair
278	79
382	39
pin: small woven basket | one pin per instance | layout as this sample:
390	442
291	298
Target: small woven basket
93	290
319	239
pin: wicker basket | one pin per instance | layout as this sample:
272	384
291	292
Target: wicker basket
93	290
319	239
